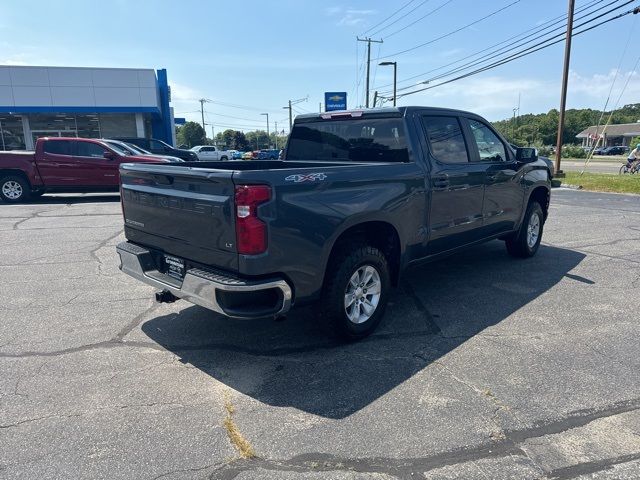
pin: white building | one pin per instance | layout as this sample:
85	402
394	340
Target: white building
82	102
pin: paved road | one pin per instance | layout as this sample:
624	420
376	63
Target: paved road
594	166
484	367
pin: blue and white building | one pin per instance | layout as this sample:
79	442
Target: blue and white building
83	102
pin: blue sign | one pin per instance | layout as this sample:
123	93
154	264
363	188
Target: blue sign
335	101
179	120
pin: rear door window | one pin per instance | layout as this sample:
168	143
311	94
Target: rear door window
446	139
59	147
362	140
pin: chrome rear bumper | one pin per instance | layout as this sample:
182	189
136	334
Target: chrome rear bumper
201	287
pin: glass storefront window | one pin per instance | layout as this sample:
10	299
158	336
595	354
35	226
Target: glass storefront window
104	125
11	133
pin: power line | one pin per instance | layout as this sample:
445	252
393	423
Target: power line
390	16
400	18
501	51
495	12
523	53
536	30
428	14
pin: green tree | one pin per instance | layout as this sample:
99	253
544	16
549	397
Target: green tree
191	134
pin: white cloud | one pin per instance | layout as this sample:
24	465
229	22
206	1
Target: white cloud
495	96
349	16
181	92
596	87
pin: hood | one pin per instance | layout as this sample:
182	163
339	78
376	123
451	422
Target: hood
148	159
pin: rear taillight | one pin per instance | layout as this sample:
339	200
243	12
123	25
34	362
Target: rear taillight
251	232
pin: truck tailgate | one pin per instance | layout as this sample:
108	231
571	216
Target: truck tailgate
182	211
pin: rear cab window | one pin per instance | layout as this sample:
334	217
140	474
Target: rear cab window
361	140
59	147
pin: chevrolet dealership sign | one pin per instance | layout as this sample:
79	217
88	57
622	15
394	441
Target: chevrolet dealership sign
335	101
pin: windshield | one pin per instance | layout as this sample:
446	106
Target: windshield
366	140
121	150
136	149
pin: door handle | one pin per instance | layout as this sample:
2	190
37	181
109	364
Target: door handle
441	182
492	177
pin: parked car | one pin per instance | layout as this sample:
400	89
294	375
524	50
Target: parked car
250	155
211	153
600	151
159	147
236	155
615	150
359	196
61	164
268	154
134	150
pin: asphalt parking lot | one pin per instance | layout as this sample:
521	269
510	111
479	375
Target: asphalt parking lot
484	367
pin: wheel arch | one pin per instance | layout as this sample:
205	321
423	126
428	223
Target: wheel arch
8	172
542	195
380	234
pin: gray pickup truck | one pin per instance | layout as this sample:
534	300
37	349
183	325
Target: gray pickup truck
358	197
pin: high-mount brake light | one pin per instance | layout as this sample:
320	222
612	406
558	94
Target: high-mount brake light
251	232
353	114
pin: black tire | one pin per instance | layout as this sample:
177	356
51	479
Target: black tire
521	245
343	267
623	169
15	189
224	159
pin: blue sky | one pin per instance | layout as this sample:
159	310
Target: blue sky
257	55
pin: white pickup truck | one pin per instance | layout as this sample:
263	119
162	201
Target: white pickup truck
210	153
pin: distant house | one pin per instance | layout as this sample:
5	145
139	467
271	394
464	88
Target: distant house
620	134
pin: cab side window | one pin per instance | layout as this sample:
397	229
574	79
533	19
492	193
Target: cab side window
445	139
87	149
58	147
490	148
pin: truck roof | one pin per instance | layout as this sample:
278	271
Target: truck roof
376	112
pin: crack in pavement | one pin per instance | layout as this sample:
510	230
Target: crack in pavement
114	342
410	467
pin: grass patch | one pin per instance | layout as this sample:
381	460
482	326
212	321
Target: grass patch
603	182
242	445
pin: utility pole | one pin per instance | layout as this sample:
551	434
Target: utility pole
395	78
320	107
293	102
202	102
375	98
368	40
268	136
276	123
563	95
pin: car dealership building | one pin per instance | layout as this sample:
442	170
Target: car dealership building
82	102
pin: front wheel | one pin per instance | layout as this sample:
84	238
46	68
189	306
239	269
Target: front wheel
356	292
14	189
527	240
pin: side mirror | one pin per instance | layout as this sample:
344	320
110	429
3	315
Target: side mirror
526	155
109	155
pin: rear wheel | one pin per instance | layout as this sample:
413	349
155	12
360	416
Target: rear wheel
356	292
623	169
526	242
224	159
14	189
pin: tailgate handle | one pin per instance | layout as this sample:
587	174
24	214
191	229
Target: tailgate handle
163	179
